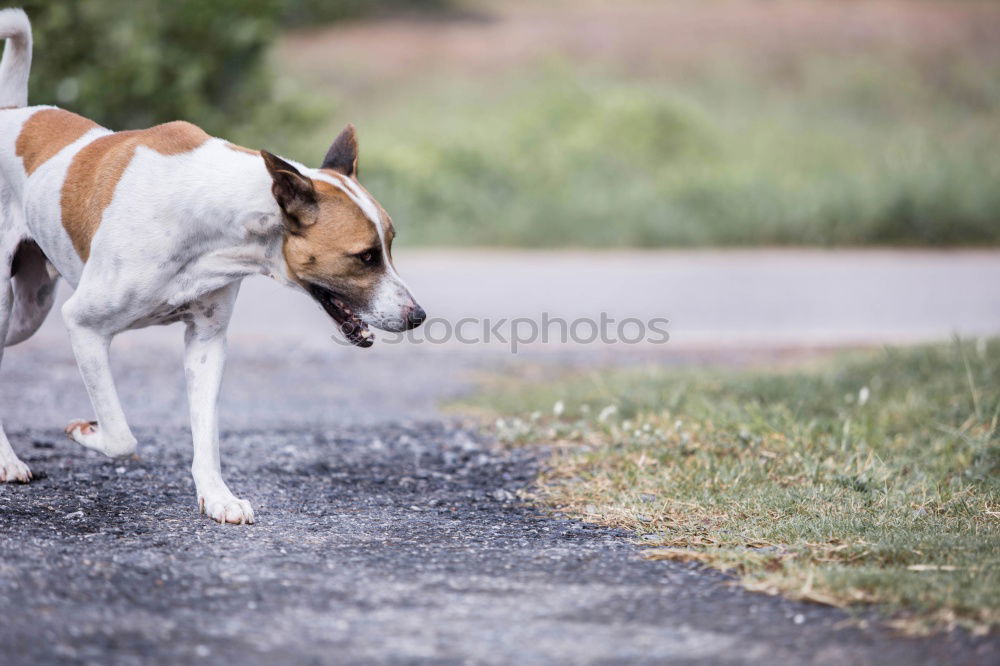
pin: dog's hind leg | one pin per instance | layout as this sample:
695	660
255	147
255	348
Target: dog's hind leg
11	467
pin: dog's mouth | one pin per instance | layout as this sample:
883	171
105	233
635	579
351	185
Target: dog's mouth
351	325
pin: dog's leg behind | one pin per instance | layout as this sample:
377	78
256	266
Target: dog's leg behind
14	68
26	294
204	360
11	468
34	292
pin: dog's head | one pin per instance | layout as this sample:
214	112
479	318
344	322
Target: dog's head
338	243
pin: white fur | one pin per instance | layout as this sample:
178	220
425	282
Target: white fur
14	69
178	236
16	63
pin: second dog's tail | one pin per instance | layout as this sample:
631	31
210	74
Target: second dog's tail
16	63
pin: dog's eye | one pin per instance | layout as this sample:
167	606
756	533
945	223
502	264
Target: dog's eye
369	257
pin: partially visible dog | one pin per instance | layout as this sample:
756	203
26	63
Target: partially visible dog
160	225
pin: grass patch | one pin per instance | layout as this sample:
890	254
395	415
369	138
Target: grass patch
852	152
874	478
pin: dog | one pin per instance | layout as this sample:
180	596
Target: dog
161	225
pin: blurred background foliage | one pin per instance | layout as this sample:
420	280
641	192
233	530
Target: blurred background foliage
554	124
135	63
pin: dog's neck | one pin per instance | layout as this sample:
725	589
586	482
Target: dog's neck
247	223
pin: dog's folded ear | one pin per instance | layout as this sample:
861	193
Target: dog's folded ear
343	154
293	192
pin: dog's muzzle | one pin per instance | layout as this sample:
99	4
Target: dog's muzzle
351	325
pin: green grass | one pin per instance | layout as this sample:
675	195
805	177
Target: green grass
872	478
848	152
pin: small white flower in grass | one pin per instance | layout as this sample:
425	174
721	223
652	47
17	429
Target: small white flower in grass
607	413
558	408
863	396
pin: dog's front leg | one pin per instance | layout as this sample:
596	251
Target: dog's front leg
110	434
204	360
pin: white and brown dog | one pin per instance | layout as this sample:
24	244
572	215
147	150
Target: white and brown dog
160	225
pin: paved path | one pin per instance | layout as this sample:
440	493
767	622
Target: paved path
713	299
389	534
762	299
388	544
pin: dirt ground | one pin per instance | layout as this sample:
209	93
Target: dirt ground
382	537
389	532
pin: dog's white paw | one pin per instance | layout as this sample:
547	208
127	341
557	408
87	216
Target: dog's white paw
14	471
88	434
227	509
85	433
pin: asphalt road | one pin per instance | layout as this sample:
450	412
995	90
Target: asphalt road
735	299
388	532
388	544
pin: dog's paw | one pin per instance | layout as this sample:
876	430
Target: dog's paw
85	433
14	471
88	434
227	509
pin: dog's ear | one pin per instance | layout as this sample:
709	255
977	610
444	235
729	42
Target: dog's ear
343	154
293	192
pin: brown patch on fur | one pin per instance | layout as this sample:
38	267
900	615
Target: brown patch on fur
324	250
46	132
388	228
241	149
95	171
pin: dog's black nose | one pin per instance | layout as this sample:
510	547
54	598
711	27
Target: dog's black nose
415	316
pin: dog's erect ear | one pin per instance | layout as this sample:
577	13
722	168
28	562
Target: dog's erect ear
343	154
293	192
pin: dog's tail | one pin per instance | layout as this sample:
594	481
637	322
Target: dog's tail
16	63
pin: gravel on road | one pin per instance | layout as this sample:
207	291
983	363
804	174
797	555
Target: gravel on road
387	533
388	544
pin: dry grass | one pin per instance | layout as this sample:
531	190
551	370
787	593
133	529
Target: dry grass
870	479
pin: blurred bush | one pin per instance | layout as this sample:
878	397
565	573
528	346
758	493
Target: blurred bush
135	63
560	157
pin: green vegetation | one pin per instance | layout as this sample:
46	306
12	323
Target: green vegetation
870	478
816	147
136	63
863	152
